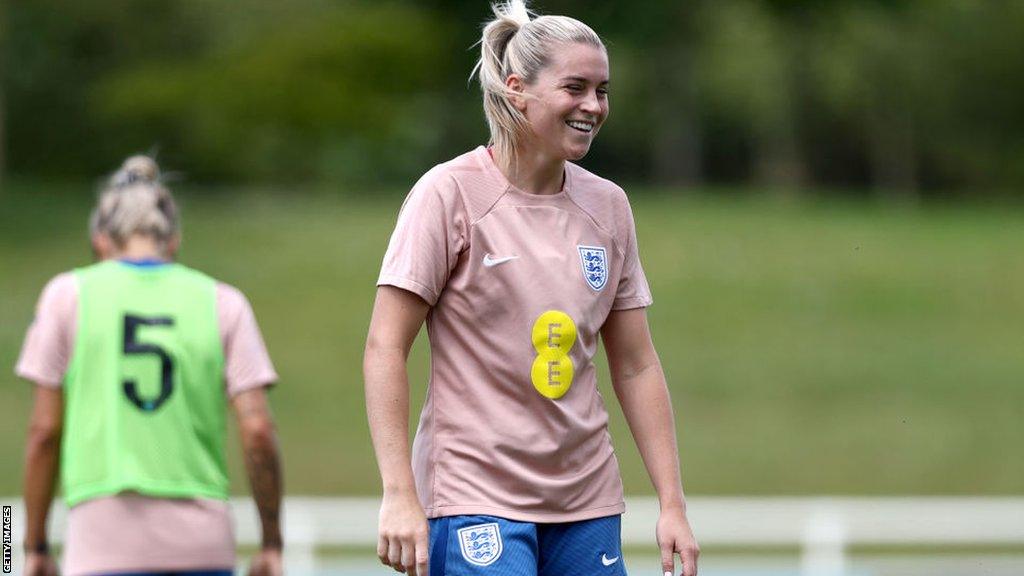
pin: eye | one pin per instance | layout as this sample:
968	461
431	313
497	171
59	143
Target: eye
574	88
602	91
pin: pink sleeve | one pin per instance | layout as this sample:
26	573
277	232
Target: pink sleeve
428	238
633	291
51	336
247	364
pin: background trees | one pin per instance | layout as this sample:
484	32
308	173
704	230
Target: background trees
904	97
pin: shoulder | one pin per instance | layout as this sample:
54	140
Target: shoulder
605	201
443	179
62	283
194	275
228	294
591	188
435	191
57	307
234	312
232	303
49	340
94	270
60	292
467	183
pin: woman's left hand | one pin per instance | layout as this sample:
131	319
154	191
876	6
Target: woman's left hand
676	537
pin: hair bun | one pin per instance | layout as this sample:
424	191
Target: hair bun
136	169
514	10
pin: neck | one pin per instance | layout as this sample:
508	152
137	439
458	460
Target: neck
140	248
533	171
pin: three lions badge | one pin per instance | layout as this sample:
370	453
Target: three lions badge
595	266
481	544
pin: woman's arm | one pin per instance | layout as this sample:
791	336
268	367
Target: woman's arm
403	531
263	464
42	459
640	387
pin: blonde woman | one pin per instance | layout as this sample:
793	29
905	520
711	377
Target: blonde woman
135	361
518	261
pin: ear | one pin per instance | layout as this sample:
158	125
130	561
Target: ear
102	246
172	246
515	86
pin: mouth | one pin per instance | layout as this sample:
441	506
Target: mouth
581	125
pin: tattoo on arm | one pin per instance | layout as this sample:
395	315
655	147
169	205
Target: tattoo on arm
262	462
264	467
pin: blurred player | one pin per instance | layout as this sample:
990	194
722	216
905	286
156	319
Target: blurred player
135	361
518	260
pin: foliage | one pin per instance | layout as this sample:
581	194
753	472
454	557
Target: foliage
908	97
295	99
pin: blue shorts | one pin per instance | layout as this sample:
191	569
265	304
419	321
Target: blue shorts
461	545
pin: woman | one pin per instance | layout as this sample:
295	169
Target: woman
135	359
517	260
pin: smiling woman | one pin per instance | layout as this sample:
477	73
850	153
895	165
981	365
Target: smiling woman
566	103
519	261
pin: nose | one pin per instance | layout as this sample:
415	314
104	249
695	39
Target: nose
591	104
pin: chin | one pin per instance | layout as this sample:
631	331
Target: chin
574	153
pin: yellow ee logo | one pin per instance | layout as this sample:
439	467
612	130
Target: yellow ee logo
554	333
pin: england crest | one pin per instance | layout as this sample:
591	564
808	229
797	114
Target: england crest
595	266
481	544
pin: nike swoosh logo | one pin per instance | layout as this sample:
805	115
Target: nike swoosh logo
608	561
488	261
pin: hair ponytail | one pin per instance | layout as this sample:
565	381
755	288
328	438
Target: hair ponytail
505	121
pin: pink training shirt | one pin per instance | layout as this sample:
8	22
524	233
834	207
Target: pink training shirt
131	532
520	285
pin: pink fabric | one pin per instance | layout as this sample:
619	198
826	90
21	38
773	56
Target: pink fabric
246	361
47	349
490	259
130	531
134	533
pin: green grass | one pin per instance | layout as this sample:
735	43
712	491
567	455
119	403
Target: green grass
811	347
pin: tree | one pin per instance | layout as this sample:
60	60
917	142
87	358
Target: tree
746	69
4	49
337	94
3	139
867	65
659	41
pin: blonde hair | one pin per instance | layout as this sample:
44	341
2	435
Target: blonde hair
134	202
512	43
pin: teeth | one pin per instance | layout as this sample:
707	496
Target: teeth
584	126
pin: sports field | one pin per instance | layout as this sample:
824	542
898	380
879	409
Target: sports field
812	347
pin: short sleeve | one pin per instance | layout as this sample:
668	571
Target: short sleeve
632	291
46	352
430	234
247	364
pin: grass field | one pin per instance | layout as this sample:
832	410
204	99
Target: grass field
811	347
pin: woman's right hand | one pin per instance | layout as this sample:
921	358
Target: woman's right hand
403	534
267	562
40	564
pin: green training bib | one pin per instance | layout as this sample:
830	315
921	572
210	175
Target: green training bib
144	400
